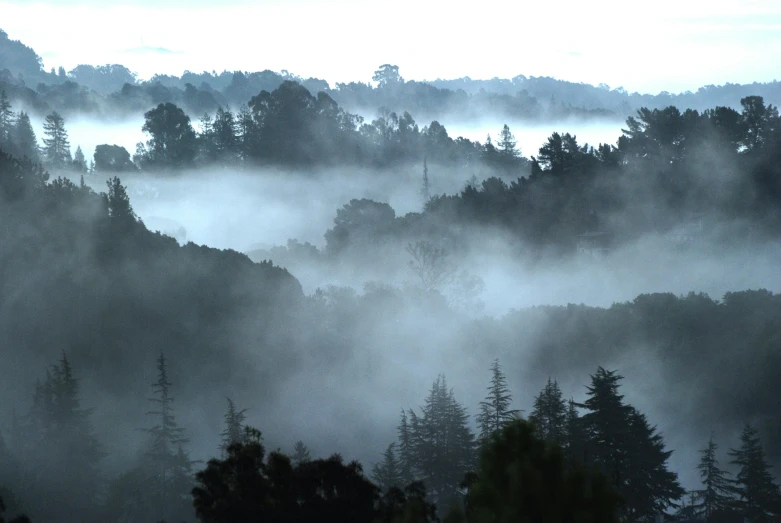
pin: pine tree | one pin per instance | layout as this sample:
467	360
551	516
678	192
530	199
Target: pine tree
79	162
24	139
549	414
247	133
406	450
757	491
628	451
166	466
301	454
426	190
225	132
387	473
495	410
717	490
56	146
6	120
574	444
234	426
443	442
507	145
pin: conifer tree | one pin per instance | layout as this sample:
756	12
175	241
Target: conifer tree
574	444
387	473
225	126
79	162
234	426
507	145
56	145
6	120
426	190
495	410
549	414
406	450
301	454
166	465
758	493
24	139
717	490
444	444
627	450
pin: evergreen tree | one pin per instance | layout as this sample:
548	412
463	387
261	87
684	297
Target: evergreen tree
716	494
6	120
426	190
406	451
574	444
757	491
56	150
301	454
495	410
79	162
627	450
507	145
444	444
387	473
247	134
549	414
166	465
62	453
234	426
225	126
24	139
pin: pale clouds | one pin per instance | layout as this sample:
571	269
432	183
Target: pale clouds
665	45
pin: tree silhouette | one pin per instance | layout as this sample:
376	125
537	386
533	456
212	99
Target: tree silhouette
56	147
549	414
300	454
234	426
758	493
716	494
387	473
495	410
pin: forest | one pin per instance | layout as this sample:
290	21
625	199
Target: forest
149	379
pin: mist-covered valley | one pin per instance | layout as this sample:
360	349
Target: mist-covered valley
321	268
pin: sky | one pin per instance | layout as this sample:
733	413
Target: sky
672	45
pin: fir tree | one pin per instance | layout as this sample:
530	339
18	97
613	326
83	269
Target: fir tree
234	426
574	444
166	466
79	162
757	491
426	190
627	450
507	145
6	120
444	444
56	146
549	414
24	139
495	410
301	454
406	450
387	473
716	494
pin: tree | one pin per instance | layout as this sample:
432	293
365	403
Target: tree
6	120
627	450
758	493
495	410
166	465
406	452
430	264
426	189
549	414
387	75
443	442
716	494
79	162
118	204
521	477
56	148
234	426
23	138
507	150
387	473
112	158
301	454
173	141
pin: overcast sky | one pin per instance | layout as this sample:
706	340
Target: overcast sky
671	45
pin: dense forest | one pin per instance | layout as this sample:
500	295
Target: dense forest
148	379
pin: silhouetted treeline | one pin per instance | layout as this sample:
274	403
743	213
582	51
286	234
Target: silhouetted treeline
112	89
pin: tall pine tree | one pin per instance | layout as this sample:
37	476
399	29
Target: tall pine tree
495	410
301	454
24	139
406	450
387	473
549	414
716	494
56	147
6	121
627	450
234	427
758	493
